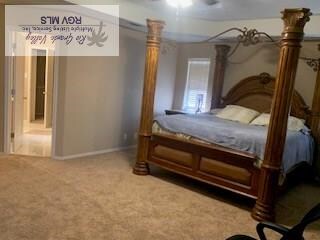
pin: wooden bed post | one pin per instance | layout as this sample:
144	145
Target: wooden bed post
150	75
219	70
315	111
315	116
292	35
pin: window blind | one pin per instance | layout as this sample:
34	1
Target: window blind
197	84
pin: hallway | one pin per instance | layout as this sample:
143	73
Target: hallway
36	140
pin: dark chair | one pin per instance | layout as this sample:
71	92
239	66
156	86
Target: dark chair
295	233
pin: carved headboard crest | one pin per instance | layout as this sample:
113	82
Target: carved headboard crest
264	78
256	92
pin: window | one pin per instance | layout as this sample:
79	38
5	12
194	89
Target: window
197	85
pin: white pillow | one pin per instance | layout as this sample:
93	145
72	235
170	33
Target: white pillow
262	120
294	124
238	113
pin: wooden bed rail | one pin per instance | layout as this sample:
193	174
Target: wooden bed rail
292	35
150	76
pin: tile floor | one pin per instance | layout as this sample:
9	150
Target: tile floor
36	140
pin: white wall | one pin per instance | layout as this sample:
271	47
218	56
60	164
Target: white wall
19	78
245	62
100	97
2	77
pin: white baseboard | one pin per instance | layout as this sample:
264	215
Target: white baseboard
87	154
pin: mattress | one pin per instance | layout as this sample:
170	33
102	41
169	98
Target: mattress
209	129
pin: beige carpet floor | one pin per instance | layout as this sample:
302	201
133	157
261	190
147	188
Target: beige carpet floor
99	198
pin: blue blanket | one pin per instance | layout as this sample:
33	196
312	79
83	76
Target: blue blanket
299	146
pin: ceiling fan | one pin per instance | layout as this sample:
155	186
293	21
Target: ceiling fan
186	3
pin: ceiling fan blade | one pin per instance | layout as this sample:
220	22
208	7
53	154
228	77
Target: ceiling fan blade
210	2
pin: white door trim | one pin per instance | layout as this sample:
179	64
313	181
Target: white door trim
7	106
54	106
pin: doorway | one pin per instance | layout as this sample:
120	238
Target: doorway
40	86
31	107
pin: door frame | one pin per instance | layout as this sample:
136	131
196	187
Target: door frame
9	74
33	83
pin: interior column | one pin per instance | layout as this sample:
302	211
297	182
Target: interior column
292	35
150	76
218	77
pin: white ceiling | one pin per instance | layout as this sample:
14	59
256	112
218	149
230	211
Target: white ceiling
200	21
226	10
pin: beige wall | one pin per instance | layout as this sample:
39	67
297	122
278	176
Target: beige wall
257	59
245	62
166	81
100	97
186	51
2	77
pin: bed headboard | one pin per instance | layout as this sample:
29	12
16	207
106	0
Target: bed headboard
256	92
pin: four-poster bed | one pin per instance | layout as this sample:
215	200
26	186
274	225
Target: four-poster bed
224	167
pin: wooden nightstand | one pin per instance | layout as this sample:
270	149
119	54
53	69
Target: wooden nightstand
173	112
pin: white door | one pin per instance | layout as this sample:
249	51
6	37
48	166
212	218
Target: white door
17	86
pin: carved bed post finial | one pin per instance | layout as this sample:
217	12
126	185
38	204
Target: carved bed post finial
150	76
218	77
292	35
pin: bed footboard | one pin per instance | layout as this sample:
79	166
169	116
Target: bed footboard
216	165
